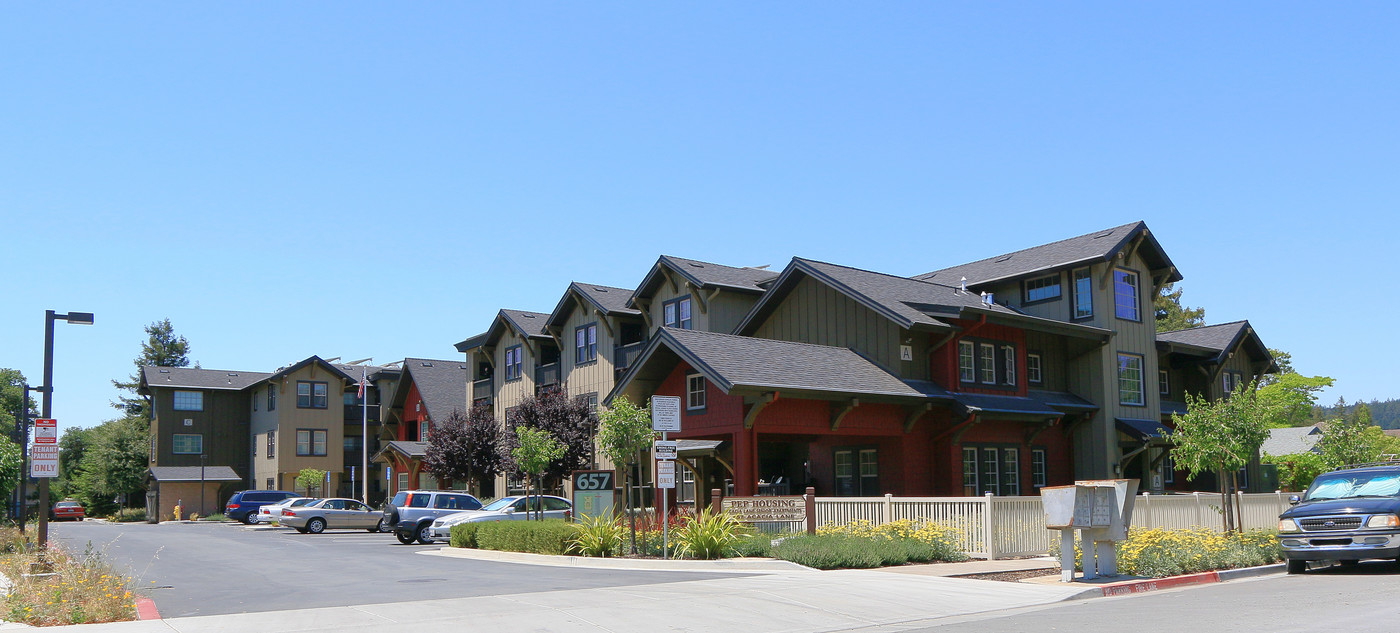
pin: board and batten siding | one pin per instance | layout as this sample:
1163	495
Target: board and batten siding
721	314
814	312
262	466
223	421
511	393
595	376
1052	360
291	418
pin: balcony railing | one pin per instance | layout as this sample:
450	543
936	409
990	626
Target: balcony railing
355	412
547	375
625	355
481	389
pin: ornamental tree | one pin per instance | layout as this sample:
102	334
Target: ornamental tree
535	450
1220	436
466	448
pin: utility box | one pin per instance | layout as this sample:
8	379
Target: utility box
1102	511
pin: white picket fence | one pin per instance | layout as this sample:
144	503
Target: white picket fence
992	527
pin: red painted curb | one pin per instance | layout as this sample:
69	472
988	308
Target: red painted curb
1143	586
146	609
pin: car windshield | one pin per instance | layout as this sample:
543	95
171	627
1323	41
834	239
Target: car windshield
1352	485
297	503
500	504
67	504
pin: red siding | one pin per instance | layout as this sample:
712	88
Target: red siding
943	366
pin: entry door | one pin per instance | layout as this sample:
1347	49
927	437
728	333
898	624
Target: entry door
857	472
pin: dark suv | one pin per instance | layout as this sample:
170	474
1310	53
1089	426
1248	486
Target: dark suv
1346	516
411	512
243	505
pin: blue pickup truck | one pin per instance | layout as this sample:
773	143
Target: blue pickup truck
1345	516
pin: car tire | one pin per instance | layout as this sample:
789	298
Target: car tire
425	534
1297	566
316	525
300	529
406	539
251	519
384	526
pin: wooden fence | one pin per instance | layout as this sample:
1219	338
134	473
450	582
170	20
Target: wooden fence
991	527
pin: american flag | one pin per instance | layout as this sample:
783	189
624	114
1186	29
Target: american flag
363	382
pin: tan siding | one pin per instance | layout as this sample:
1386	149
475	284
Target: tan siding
291	418
509	394
814	313
728	309
592	377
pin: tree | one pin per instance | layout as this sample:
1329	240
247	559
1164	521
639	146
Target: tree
1220	436
311	479
466	448
1353	439
11	399
535	450
1171	315
160	349
568	420
1291	397
11	467
113	462
71	449
1297	471
624	431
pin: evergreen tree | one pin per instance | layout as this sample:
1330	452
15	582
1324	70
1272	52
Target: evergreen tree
160	349
1171	315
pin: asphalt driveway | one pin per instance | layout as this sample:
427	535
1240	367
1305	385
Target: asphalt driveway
222	568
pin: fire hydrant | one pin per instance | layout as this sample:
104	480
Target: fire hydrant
177	512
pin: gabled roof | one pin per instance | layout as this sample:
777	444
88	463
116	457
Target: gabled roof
317	360
1085	249
605	299
1215	342
372	372
1291	440
909	303
152	376
411	450
703	275
530	325
740	362
442	384
169	474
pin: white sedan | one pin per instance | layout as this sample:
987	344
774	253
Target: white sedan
505	509
273	511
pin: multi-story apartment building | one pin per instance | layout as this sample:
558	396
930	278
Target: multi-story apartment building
429	391
1000	376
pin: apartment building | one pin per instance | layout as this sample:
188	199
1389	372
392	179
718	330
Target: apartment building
428	391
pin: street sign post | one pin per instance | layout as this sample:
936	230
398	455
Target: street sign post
666	418
45	431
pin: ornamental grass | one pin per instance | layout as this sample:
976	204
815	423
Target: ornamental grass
1158	553
80	589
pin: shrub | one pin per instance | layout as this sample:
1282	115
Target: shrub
536	537
757	544
463	535
830	551
708	535
598	536
135	516
1159	553
924	541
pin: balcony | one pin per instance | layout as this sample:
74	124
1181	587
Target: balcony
547	375
625	355
355	413
481	389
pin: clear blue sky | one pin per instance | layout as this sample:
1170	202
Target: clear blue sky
356	179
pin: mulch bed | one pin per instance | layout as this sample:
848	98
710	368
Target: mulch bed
1013	576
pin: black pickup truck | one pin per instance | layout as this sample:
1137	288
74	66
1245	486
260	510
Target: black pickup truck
1345	516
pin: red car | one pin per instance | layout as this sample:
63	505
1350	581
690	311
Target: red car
67	510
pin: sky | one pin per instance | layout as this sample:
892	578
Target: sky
366	180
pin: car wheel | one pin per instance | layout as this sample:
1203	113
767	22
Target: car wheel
383	526
301	529
403	537
425	533
251	519
1297	566
316	526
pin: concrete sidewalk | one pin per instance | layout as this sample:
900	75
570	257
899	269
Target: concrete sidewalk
768	603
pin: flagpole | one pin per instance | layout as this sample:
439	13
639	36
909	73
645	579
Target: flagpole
364	434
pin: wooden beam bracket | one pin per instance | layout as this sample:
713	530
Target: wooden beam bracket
752	416
914	413
1035	431
698	297
838	415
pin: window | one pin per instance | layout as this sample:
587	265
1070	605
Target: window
271	444
353	443
1163	383
271	483
586	343
402	482
311	442
989	363
694	392
676	313
1033	369
189	400
1043	289
967	370
255	403
255	446
857	472
1083	294
188	444
991	470
1130	379
272	397
1231	380
1037	467
311	395
1125	294
513	363
1168	470
1008	366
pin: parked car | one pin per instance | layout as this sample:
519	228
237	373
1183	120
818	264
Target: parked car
273	511
505	509
324	514
411	512
1345	516
243	505
67	510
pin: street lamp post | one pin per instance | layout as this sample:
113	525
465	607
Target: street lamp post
77	318
202	457
23	433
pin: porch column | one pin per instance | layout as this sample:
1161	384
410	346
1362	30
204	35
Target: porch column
745	463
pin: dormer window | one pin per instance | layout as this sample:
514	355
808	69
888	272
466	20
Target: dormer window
514	364
676	313
1043	289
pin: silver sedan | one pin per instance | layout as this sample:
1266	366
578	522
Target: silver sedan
332	514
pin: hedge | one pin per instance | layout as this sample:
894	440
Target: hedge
535	537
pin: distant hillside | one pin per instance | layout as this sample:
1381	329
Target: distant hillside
1384	413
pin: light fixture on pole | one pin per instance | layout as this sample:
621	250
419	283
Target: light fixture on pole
202	458
76	318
